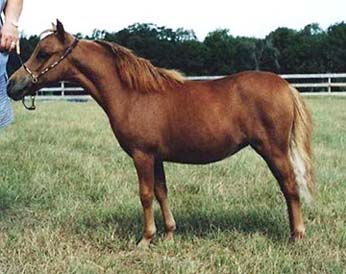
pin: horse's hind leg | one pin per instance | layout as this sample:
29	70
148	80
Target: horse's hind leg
161	196
281	167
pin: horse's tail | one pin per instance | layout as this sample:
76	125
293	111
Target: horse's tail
300	151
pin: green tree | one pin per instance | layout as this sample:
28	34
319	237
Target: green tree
282	51
282	40
191	58
336	47
309	51
221	52
245	54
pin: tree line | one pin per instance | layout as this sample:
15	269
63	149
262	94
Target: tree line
284	50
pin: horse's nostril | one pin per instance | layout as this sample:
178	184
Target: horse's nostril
14	91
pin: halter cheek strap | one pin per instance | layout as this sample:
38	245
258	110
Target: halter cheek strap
35	77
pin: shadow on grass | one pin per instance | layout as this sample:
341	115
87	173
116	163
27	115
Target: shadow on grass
7	199
245	222
192	224
127	222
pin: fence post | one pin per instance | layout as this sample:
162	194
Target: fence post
62	88
329	84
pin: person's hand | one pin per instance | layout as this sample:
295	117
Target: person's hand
9	37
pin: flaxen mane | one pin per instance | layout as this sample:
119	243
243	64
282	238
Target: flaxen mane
140	74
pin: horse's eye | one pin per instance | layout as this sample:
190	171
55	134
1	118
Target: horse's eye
42	55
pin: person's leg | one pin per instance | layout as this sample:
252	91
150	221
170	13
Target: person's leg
6	114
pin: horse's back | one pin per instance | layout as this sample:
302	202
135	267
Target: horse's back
240	95
250	85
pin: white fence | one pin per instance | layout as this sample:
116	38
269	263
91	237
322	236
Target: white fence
308	84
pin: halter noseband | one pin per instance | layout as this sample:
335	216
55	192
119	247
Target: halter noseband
35	77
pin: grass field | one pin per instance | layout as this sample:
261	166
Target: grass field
69	203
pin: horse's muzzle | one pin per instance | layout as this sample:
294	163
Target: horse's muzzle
16	90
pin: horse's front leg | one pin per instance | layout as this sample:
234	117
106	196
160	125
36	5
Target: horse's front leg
144	164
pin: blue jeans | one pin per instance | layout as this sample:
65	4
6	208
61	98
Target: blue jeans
6	114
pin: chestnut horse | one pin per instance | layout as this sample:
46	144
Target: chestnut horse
157	115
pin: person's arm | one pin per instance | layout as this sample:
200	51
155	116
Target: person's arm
9	31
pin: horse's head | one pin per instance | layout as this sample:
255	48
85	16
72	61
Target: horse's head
47	64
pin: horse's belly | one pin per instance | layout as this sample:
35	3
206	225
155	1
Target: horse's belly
203	138
201	155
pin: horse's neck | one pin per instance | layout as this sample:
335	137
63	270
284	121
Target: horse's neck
97	74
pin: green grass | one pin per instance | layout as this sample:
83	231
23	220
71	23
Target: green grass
69	203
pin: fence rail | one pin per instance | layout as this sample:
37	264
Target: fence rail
308	84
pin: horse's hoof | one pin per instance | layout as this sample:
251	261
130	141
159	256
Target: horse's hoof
169	237
298	235
144	244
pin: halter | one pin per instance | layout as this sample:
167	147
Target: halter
35	77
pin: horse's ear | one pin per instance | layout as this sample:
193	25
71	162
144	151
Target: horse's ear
60	30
